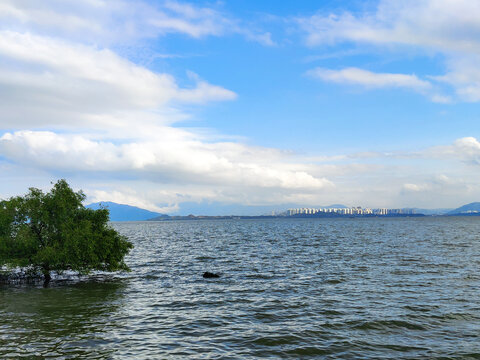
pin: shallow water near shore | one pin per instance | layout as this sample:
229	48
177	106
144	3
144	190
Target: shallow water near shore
404	288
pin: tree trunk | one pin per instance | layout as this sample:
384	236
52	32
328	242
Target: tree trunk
46	277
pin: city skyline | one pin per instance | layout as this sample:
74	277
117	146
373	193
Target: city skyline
175	105
356	210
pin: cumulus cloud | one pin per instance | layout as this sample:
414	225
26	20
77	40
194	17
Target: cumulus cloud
162	161
448	27
465	149
66	83
159	174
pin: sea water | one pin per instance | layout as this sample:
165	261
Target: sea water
404	288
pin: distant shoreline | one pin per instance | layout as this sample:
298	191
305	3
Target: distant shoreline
283	217
122	212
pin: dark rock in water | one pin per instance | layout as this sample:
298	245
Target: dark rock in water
209	275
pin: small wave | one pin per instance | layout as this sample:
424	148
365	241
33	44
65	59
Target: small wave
308	351
401	348
151	277
201	258
260	276
456	316
386	324
277	340
331	312
419	308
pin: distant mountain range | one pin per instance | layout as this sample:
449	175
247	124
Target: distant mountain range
120	212
469	209
439	211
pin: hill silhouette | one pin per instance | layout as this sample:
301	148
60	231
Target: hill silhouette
121	212
468	209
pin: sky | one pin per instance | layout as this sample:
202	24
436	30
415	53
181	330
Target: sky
216	107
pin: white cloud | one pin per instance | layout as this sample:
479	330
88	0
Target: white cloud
465	149
118	21
186	18
373	80
159	174
162	173
128	196
413	187
464	76
427	189
161	161
370	79
448	27
65	84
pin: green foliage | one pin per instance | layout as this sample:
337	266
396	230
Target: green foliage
54	231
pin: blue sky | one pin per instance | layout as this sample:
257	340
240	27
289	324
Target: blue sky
242	106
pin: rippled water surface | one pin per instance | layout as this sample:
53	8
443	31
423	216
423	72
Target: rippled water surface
404	288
